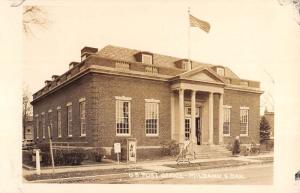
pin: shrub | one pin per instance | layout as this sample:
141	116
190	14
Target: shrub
27	157
264	130
268	145
97	154
170	148
44	147
64	157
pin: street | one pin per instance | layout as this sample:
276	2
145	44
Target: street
257	174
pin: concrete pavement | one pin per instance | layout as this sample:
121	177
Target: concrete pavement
156	165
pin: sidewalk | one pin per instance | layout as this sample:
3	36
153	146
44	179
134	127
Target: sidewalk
147	165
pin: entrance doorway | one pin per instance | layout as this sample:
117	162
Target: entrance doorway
188	125
198	130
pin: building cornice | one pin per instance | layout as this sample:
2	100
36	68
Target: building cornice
243	89
130	73
104	70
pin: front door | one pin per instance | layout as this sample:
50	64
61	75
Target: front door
198	130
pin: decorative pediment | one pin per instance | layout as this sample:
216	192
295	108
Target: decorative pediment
202	74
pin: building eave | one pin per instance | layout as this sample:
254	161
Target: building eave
244	89
105	70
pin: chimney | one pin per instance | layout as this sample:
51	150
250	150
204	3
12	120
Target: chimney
54	77
86	51
47	82
73	64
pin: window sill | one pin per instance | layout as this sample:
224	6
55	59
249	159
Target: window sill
152	135
244	135
123	135
82	136
70	136
226	136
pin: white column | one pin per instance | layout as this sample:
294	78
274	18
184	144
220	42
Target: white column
210	118
181	116
193	117
172	115
221	119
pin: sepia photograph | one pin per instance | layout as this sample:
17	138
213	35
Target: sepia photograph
174	93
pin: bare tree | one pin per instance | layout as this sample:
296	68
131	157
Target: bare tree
27	108
34	16
295	4
17	3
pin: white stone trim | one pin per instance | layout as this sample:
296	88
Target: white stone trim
50	111
123	98
245	89
81	99
197	87
227	106
244	107
59	107
149	147
69	104
36	115
152	101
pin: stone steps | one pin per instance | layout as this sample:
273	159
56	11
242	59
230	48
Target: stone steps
214	151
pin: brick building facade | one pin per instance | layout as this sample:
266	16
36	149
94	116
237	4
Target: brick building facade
118	93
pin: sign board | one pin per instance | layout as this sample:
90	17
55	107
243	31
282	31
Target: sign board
131	147
117	147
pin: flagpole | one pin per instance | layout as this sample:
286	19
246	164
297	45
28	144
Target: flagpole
189	41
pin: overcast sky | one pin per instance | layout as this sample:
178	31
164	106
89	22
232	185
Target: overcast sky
253	38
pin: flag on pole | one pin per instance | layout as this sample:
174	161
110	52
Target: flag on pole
195	22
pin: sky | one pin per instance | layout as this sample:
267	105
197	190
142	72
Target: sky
250	37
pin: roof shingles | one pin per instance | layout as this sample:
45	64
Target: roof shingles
126	54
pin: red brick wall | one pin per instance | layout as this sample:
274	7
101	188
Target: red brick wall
110	86
236	99
71	93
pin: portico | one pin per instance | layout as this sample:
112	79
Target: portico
193	97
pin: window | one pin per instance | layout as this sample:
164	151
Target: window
187	129
69	123
50	120
82	117
147	59
244	120
220	71
44	125
188	111
37	126
123	116
226	120
58	122
151	117
186	65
